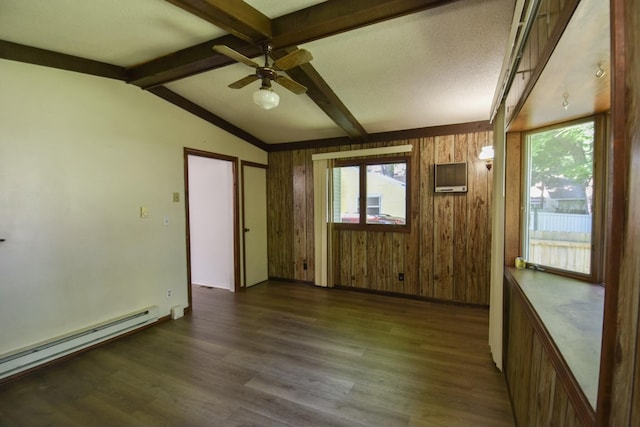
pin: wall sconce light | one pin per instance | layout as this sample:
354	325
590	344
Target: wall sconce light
487	154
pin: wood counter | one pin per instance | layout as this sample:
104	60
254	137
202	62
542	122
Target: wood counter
553	337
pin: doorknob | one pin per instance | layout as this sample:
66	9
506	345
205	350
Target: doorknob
246	229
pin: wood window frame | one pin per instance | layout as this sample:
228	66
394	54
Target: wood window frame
362	225
599	197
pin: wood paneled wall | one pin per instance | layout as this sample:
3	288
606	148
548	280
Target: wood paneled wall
290	215
538	396
445	256
619	390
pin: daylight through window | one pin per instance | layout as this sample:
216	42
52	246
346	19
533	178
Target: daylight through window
370	193
560	185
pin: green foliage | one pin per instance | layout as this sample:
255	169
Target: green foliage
565	152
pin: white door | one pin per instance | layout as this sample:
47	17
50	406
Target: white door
254	190
211	222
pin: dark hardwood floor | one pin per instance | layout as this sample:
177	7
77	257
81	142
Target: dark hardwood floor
279	354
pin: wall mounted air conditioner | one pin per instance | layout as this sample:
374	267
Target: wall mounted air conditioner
451	177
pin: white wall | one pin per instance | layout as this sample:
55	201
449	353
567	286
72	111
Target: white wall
79	155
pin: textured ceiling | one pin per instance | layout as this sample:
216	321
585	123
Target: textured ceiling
275	8
435	67
430	68
120	32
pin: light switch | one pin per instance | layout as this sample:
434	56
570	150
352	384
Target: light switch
176	197
144	212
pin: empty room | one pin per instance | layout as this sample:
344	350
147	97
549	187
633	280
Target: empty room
319	213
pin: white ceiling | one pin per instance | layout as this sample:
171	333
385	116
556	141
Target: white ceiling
430	68
119	32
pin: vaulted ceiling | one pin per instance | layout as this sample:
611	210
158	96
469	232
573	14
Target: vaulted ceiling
379	66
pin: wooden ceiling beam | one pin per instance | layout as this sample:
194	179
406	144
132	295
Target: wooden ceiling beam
249	25
47	58
320	93
236	17
313	23
188	62
338	16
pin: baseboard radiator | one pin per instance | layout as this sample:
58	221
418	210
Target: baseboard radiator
27	358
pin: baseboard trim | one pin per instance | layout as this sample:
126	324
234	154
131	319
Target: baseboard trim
409	296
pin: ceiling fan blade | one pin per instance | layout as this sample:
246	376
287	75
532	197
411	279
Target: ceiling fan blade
243	81
292	85
299	57
227	51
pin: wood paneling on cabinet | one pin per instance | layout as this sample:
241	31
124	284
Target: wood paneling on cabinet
538	396
445	255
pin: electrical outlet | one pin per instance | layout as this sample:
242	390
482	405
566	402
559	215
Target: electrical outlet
401	277
304	265
168	293
176	197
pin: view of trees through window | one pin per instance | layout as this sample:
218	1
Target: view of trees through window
560	190
384	187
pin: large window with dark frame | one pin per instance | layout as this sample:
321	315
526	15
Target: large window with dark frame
371	194
563	201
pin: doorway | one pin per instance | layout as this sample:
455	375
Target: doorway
212	220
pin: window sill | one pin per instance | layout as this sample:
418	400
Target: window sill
373	227
572	312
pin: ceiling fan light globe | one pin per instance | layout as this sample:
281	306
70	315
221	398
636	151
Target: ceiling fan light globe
266	98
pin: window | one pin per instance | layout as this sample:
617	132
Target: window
371	193
373	205
562	198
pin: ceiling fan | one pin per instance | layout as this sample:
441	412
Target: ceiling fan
265	96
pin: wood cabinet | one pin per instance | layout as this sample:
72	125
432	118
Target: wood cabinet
542	389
